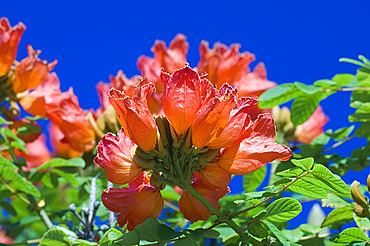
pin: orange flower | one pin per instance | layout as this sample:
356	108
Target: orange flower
253	84
135	203
30	137
223	64
31	71
9	41
181	97
60	145
175	56
257	148
150	71
44	97
313	127
134	115
194	210
114	156
71	120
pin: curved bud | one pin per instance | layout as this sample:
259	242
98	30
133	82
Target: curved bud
360	211
357	195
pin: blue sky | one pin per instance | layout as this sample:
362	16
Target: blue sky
297	40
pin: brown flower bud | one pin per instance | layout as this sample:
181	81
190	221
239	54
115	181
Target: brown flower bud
360	211
357	195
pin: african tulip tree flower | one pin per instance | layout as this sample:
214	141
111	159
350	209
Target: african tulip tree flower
31	71
135	116
203	136
313	127
9	41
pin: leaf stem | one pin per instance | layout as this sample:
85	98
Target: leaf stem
339	143
270	197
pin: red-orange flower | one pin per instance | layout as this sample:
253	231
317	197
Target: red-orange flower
175	56
313	127
60	145
31	71
47	95
71	120
194	210
256	149
223	64
114	156
135	116
135	203
9	41
181	97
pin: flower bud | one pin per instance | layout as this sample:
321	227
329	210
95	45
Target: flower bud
360	211
357	196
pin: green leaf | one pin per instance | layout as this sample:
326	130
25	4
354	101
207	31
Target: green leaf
54	237
363	130
81	242
169	193
305	164
276	232
129	238
4	121
148	230
322	177
350	235
308	189
304	106
253	180
362	223
291	172
8	207
60	162
4	194
311	229
326	83
307	89
15	180
109	236
185	242
259	229
338	217
293	235
196	235
278	95
50	180
69	177
349	60
340	133
343	79
282	210
211	234
334	201
165	233
19	145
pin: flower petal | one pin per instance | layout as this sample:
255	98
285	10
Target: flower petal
31	71
9	41
255	150
213	175
114	156
175	56
313	127
135	116
181	97
239	119
212	117
192	209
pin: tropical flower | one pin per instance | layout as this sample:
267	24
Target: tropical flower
313	127
9	41
203	136
31	71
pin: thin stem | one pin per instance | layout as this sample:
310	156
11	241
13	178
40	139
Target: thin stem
170	205
270	197
339	143
348	89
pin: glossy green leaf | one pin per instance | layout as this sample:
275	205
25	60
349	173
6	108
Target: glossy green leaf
338	217
291	172
50	180
60	162
185	242
293	235
148	230
167	233
343	79
340	133
129	238
55	237
252	181
349	60
305	164
334	201
351	235
282	210
308	89
308	189
69	177
326	83
362	223
276	232
304	106
8	207
311	229
278	95
109	236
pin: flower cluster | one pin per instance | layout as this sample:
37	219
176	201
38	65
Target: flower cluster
203	136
